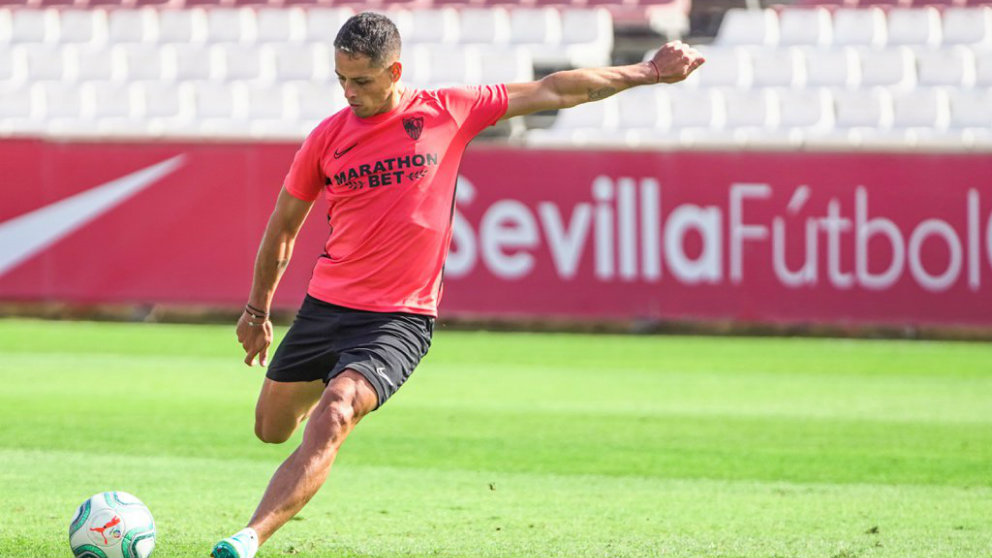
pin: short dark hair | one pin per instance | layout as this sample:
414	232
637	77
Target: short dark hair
371	34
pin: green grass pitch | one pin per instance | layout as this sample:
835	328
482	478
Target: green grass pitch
518	445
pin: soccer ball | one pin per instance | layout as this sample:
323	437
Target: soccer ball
112	525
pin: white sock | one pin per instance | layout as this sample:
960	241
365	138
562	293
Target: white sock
248	534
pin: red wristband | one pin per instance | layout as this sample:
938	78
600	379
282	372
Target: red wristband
656	70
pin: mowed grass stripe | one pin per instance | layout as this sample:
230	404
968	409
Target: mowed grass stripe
197	411
390	511
791	356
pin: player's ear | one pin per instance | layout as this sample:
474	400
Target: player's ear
396	71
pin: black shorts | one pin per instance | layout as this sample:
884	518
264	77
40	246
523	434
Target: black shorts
326	339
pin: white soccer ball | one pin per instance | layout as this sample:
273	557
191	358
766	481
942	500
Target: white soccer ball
112	525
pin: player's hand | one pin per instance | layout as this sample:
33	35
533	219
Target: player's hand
675	60
255	339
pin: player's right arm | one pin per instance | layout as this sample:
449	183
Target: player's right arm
273	256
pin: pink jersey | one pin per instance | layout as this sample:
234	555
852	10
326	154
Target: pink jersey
390	184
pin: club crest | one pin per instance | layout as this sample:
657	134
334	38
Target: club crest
413	125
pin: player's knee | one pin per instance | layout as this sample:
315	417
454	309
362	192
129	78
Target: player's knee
270	433
332	421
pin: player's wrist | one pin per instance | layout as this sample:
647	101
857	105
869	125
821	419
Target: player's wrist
654	73
255	316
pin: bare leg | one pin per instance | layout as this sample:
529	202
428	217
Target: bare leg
282	406
347	398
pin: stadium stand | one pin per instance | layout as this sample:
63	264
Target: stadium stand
818	74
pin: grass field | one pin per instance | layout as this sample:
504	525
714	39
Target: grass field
518	445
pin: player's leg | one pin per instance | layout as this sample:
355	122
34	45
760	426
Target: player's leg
347	398
282	406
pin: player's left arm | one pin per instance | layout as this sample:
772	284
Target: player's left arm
673	62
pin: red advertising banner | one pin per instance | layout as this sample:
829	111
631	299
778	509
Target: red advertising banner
834	238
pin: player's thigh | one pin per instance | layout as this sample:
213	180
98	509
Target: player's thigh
283	405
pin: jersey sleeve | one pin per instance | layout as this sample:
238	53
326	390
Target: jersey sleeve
305	179
476	107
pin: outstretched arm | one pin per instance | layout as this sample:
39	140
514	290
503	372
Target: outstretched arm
673	62
274	253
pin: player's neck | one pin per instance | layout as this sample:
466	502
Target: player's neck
393	100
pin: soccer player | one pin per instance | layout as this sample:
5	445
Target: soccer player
387	165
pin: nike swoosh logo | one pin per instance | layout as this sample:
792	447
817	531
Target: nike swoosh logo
26	235
339	154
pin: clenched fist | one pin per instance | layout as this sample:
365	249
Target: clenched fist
675	60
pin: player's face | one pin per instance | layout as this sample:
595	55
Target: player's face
369	89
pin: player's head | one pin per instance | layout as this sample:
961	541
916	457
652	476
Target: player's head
366	60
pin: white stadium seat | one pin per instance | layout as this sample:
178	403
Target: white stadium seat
863	109
131	26
983	68
34	26
915	114
181	26
230	25
311	103
214	100
88	63
725	67
921	108
890	67
587	37
323	24
859	27
434	26
970	108
805	27
744	27
537	29
967	26
643	108
160	104
577	126
57	100
969	121
82	26
185	62
6	26
107	100
694	114
138	61
855	114
800	111
13	68
416	66
451	66
777	67
488	25
836	67
221	110
291	62
505	64
279	25
954	66
18	114
263	103
233	62
913	27
750	108
43	62
15	104
640	110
